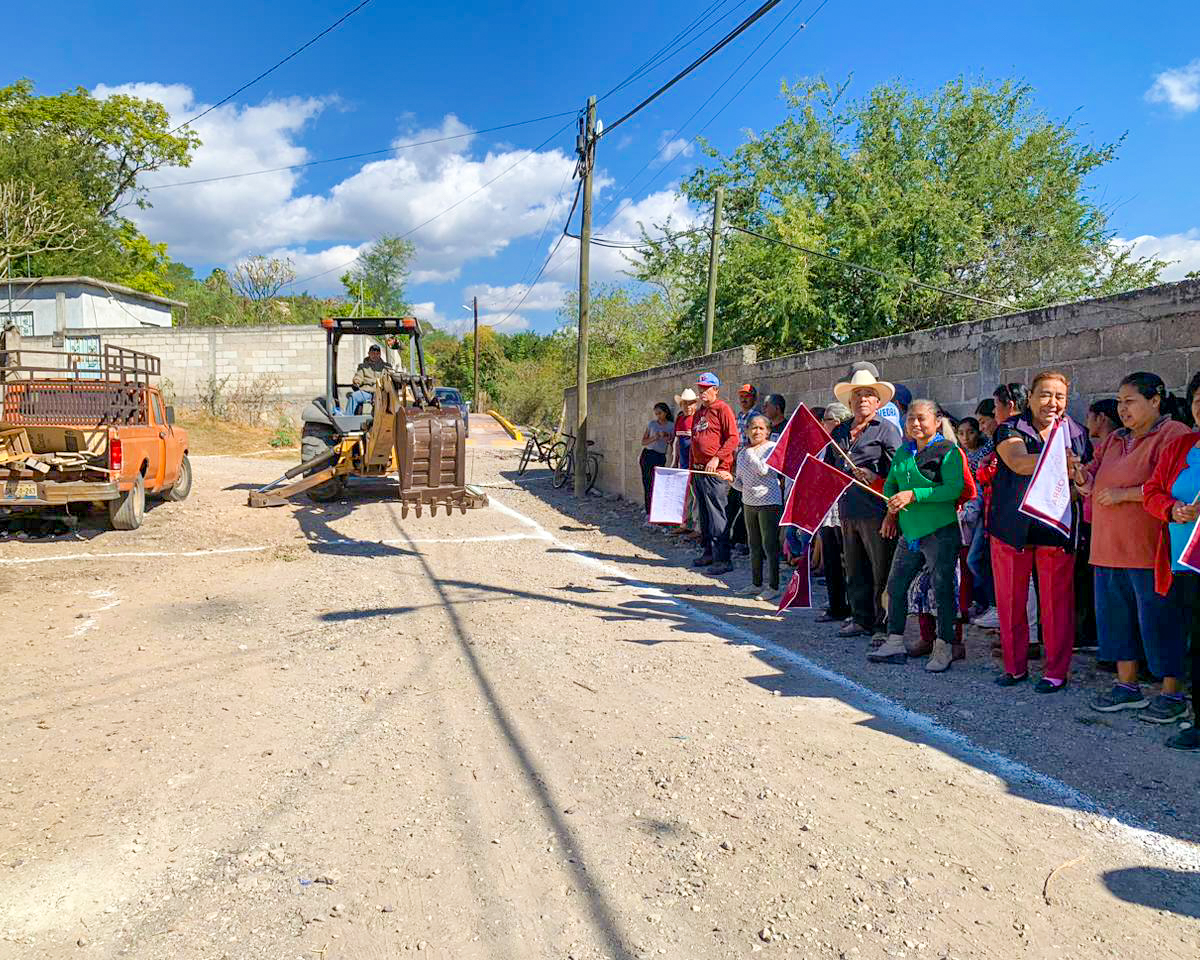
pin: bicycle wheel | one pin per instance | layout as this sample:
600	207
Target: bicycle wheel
556	452
525	455
593	470
564	470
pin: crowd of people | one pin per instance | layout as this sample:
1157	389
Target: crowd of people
934	526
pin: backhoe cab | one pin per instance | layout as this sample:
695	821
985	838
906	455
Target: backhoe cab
403	430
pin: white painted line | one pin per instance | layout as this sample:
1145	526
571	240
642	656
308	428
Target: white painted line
1167	848
258	548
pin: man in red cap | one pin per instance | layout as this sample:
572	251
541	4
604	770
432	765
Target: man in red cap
714	443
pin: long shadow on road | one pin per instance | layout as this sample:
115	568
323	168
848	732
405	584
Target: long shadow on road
1052	750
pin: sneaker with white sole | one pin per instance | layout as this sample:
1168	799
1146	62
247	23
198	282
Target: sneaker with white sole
988	620
1120	697
750	591
1164	709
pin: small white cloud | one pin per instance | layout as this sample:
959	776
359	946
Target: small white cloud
1181	250
427	312
671	148
1179	87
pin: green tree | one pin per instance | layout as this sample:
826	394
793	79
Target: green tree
626	331
380	273
85	156
970	188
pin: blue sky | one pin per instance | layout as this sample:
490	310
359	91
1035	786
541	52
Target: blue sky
398	71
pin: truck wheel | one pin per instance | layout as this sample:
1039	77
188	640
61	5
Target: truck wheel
126	512
183	483
316	439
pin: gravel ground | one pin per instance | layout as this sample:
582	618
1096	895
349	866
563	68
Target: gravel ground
532	731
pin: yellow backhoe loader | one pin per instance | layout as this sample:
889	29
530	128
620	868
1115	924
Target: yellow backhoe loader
402	431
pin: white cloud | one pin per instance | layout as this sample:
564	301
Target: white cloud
427	312
223	221
1182	249
660	213
1179	87
671	148
545	295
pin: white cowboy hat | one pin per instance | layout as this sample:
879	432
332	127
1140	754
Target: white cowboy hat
864	378
687	396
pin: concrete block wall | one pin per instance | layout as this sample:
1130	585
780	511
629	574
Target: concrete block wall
1095	342
192	355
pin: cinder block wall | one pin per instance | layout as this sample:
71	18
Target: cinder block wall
192	355
1096	342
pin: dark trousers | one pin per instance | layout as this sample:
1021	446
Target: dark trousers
835	571
1086	633
762	530
868	559
711	495
735	518
979	562
649	460
1186	589
1127	606
939	550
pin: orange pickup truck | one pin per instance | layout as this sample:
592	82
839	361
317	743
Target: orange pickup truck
77	428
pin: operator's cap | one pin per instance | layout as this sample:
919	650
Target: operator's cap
374	347
707	380
747	390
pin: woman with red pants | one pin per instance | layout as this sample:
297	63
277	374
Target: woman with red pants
1019	543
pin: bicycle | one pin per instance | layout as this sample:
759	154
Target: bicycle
566	465
549	452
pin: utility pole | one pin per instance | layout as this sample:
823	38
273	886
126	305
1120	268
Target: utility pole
714	250
475	390
587	159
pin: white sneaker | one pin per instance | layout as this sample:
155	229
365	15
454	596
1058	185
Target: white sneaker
770	596
750	591
989	619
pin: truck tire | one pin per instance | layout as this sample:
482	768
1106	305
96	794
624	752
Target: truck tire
183	483
126	512
316	439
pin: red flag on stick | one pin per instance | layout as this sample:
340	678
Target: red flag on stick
798	594
817	488
802	435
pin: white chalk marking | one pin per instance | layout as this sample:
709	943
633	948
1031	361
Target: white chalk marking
1005	767
258	548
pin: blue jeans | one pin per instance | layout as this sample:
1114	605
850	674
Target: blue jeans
1126	603
979	562
355	401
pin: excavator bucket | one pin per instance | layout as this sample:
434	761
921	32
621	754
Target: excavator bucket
431	456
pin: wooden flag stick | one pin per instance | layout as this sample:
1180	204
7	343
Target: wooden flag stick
845	456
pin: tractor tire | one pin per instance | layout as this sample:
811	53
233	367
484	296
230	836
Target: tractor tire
127	511
183	483
316	439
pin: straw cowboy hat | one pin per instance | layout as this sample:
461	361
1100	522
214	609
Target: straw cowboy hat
687	396
864	378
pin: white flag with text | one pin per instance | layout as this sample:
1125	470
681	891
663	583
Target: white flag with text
1048	497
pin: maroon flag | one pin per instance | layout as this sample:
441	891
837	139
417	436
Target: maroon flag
798	594
817	488
802	435
1190	556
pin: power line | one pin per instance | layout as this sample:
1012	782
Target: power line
329	29
667	50
749	80
872	270
737	31
367	153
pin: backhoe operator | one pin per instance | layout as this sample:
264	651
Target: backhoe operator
366	378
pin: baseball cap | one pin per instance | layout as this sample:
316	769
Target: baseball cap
747	388
374	346
707	380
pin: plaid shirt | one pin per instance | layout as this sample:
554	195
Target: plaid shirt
743	418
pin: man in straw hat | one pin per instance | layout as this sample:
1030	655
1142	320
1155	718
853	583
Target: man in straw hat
871	443
714	443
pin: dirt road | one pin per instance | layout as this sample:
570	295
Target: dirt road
329	733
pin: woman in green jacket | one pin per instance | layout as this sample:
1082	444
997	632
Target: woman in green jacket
923	488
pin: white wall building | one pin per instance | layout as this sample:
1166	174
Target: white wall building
46	306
